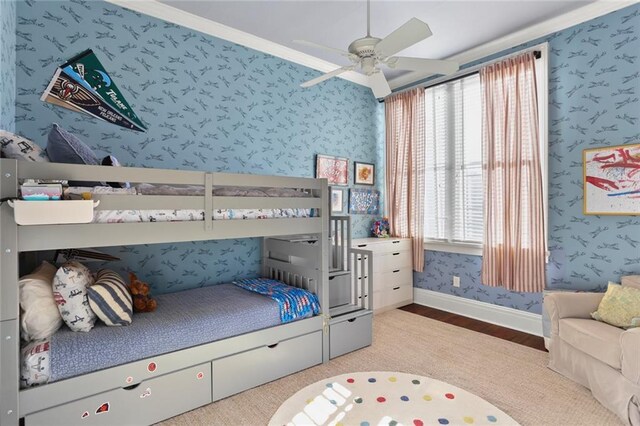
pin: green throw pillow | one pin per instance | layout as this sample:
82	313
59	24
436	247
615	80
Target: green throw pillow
620	306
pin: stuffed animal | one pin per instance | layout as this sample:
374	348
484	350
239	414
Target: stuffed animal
142	301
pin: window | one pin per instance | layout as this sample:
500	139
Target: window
454	187
453	201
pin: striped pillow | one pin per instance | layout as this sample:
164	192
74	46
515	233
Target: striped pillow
109	298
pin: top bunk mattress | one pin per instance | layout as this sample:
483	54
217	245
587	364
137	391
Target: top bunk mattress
186	215
182	320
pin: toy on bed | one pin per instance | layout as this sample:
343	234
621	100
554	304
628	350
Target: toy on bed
142	301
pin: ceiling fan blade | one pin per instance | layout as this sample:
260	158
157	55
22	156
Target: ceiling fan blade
326	76
323	47
413	31
435	66
379	85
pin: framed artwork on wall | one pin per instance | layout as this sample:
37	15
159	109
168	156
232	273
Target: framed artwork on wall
364	201
337	200
612	180
364	173
335	169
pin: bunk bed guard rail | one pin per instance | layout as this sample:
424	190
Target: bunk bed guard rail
77	235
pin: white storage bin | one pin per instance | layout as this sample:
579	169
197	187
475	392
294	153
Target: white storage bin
53	212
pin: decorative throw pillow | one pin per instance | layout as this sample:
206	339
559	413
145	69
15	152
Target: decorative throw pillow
631	281
110	299
19	148
64	147
620	306
35	368
39	316
70	290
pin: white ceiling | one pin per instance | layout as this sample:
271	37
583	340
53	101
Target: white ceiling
457	25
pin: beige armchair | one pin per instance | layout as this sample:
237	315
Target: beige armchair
604	358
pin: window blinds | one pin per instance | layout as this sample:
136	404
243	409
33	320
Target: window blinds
454	191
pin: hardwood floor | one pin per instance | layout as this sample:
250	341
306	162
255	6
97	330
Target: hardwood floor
479	326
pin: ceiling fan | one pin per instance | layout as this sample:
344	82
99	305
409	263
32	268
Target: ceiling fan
369	52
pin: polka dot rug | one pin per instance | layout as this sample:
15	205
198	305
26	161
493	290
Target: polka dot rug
386	398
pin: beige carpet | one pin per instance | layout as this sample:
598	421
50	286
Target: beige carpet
512	377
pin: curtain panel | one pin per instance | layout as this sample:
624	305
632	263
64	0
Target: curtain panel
514	248
405	167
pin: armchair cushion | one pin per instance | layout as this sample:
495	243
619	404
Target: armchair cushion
630	342
631	281
570	305
597	339
620	306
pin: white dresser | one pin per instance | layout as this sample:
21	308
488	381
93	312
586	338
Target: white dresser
392	271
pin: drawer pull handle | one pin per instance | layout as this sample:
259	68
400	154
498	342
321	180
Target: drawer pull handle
396	270
362	245
362	277
360	297
395	242
351	320
330	278
132	387
396	288
395	254
273	346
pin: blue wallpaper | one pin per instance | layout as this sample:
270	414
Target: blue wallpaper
209	105
594	89
7	64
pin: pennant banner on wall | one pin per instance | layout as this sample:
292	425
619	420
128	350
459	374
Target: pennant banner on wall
82	85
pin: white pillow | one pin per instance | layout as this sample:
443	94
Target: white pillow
40	317
70	291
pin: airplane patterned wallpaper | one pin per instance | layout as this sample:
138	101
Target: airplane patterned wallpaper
209	105
594	90
7	64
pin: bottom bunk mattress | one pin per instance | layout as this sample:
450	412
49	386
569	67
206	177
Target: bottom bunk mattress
182	320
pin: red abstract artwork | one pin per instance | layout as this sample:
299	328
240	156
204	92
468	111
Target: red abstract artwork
612	180
335	169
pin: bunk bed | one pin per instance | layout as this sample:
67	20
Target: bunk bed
169	382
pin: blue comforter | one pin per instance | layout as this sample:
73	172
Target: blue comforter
295	303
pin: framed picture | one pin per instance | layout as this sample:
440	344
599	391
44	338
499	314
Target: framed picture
364	173
364	201
335	169
337	200
612	180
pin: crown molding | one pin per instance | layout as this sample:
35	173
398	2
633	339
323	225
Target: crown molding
180	17
569	19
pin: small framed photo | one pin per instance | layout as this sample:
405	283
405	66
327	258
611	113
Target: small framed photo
337	201
364	173
335	169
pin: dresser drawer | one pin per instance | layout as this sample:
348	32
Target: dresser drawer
252	368
146	403
397	296
389	280
349	335
339	290
391	261
385	245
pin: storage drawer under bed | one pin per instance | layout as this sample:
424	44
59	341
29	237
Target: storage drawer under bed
255	367
148	402
350	335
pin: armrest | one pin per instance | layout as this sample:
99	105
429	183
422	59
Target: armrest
630	342
570	305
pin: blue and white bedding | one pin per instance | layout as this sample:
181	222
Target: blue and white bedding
182	320
294	303
184	215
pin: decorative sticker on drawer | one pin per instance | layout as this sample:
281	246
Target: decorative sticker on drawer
200	375
152	367
129	380
84	415
104	408
146	393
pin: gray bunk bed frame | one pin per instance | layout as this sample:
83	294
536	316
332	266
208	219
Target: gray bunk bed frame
181	380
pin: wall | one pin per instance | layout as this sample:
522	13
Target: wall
7	64
594	91
209	104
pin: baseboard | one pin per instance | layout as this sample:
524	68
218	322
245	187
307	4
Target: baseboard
487	312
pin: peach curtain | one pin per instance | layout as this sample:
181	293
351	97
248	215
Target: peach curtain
405	163
514	249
